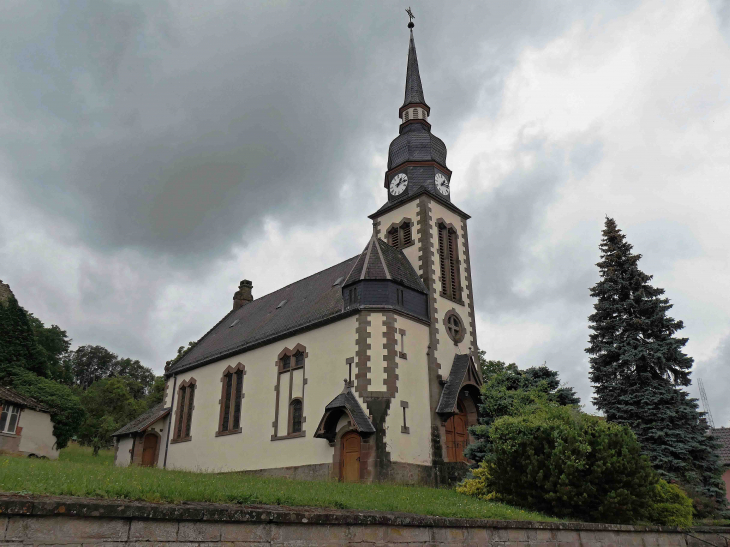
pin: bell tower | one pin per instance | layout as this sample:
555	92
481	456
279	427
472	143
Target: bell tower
420	219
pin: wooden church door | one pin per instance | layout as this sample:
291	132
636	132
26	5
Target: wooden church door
456	436
149	449
350	457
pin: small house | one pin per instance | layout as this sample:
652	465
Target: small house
25	426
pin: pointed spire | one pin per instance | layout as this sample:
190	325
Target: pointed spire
414	89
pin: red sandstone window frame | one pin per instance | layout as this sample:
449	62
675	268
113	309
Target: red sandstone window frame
184	413
231	376
400	234
297	357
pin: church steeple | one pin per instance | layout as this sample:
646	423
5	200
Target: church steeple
417	157
414	88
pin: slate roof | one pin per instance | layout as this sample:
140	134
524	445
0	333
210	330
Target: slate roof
12	396
450	393
143	421
347	401
722	435
307	302
381	261
414	89
416	143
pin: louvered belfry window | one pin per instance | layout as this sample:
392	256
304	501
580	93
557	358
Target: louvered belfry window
449	253
393	238
400	236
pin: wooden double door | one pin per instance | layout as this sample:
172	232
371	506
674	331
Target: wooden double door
350	457
457	436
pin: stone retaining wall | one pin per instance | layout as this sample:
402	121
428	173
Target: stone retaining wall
74	521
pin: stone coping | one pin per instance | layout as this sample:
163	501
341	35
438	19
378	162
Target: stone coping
19	505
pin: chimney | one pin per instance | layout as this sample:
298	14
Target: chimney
243	295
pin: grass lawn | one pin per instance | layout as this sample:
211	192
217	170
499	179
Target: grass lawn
77	473
82	454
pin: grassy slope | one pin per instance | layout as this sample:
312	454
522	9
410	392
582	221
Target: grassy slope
82	454
74	475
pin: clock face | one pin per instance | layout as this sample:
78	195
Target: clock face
398	183
442	184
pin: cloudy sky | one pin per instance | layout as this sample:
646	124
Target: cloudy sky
153	154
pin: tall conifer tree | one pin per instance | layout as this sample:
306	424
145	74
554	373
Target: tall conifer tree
638	367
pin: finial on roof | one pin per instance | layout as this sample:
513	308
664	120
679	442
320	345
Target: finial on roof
411	18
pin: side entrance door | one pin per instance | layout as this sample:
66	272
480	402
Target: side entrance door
350	457
149	449
456	436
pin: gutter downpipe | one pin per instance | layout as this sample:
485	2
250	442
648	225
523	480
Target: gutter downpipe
169	422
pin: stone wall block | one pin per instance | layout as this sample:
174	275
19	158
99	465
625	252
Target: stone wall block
151	544
50	530
408	534
304	534
246	532
567	536
153	530
368	534
199	531
448	536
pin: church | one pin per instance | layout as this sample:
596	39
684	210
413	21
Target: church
365	371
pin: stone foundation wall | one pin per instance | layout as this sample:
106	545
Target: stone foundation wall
92	523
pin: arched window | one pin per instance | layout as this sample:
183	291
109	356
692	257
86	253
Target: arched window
290	387
231	395
295	416
415	113
405	116
185	406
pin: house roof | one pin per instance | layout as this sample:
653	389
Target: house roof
301	305
722	435
458	376
12	396
381	261
143	421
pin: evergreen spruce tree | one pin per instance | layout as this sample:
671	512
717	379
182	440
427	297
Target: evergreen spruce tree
638	368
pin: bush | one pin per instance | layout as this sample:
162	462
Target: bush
569	464
478	485
66	410
670	506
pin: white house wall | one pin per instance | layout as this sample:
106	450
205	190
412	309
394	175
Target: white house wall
124	451
37	434
414	446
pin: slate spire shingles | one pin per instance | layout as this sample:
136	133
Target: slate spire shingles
414	89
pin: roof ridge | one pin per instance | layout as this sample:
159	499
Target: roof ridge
382	259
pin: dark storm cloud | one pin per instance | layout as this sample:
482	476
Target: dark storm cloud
174	129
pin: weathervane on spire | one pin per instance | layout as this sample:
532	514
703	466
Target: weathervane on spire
411	17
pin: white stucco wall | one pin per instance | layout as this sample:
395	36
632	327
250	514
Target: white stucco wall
415	446
325	367
123	451
37	434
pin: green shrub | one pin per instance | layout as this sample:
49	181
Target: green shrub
670	506
569	464
478	485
